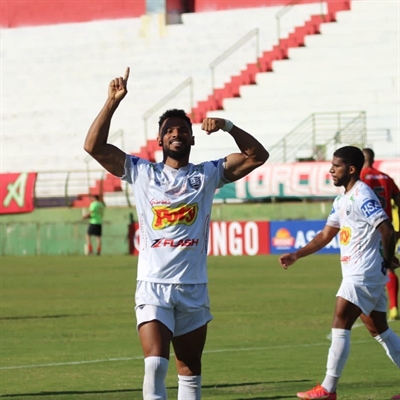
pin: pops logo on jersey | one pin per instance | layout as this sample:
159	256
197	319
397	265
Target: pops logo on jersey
345	235
370	207
168	216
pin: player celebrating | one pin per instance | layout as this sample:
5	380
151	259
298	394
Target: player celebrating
367	250
386	190
173	200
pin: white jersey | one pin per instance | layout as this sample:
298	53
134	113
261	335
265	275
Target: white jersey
358	213
174	210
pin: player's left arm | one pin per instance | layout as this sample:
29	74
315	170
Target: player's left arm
252	152
386	230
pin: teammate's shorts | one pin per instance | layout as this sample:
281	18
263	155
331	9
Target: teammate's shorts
368	298
94	230
181	308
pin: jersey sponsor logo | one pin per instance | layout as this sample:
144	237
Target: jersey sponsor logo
370	207
345	235
283	238
165	242
345	259
155	202
181	215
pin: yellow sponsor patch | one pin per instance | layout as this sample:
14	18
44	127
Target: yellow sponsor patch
167	216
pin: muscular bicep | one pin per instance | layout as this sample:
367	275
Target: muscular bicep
238	165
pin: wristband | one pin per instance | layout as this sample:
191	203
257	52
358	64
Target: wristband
228	125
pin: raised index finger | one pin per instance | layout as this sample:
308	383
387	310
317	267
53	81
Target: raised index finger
126	76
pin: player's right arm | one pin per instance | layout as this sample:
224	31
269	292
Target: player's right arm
109	156
317	243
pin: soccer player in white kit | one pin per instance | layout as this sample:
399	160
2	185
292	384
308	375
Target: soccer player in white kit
367	245
173	200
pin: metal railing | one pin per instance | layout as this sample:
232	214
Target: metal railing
317	132
380	135
62	188
188	82
227	53
254	33
283	11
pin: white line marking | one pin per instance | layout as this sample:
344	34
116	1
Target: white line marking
60	364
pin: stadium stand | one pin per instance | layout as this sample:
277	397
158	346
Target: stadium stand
59	85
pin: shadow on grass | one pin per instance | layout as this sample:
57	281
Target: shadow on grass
70	392
43	317
107	392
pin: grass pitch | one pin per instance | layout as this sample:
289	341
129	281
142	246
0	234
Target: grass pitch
68	331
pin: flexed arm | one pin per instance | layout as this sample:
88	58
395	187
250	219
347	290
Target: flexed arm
252	152
109	156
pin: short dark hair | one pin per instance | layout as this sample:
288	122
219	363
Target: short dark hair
174	113
370	154
351	155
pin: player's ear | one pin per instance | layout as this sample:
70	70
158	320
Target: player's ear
352	169
159	141
192	141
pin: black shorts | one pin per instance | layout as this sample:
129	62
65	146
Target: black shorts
94	230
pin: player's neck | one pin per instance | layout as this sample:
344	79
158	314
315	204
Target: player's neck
176	164
350	184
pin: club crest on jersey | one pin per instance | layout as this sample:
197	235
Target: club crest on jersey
370	207
195	182
165	216
345	235
348	209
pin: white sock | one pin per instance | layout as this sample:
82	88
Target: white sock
391	343
155	371
189	387
337	357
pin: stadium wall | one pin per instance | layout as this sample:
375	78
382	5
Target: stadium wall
18	13
62	230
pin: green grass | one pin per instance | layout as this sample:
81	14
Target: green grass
68	331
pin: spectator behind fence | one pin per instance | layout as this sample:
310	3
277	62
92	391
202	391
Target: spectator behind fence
95	217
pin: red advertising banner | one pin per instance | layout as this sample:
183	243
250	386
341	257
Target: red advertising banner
17	192
233	238
15	13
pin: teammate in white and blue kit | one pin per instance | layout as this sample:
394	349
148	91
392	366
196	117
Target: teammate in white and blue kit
173	200
367	244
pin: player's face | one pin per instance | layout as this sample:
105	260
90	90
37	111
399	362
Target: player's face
176	138
340	172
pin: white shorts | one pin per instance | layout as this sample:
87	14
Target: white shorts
368	298
181	308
